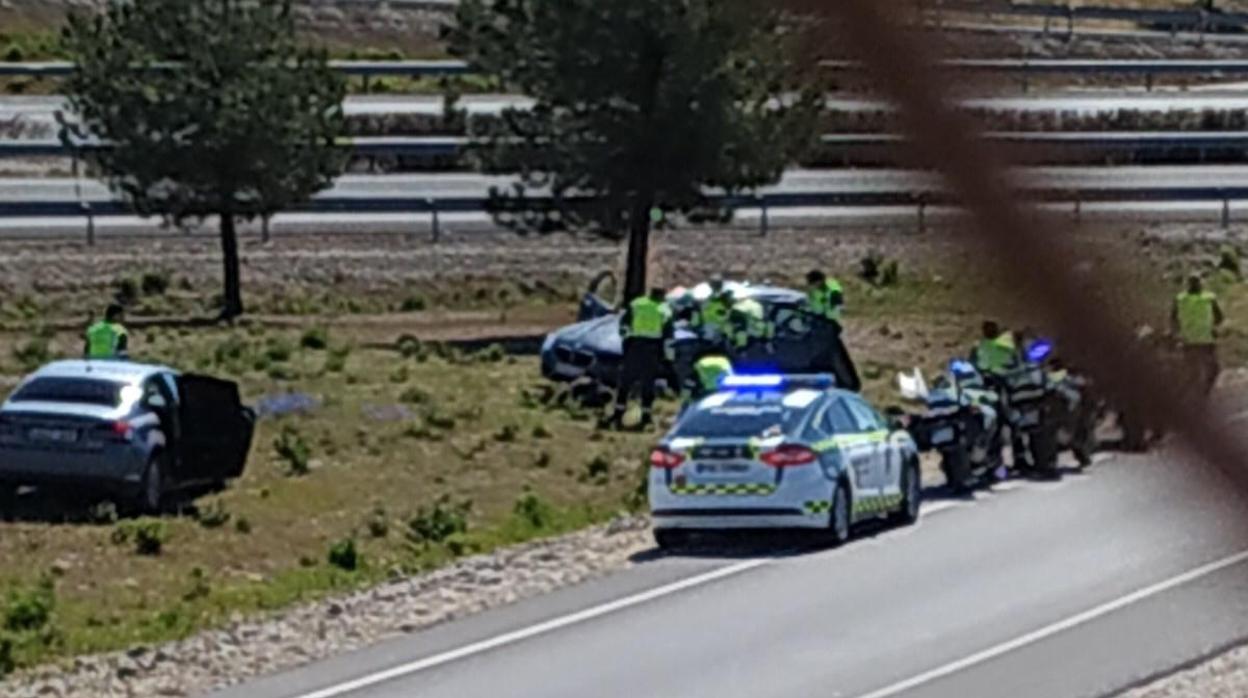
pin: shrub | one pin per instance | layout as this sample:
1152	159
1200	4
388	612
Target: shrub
126	290
415	396
344	555
242	525
378	523
413	304
439	419
30	609
439	522
154	283
7	663
200	588
13	53
278	350
542	460
491	354
293	450
148	535
214	515
507	434
1229	261
533	511
400	375
315	338
541	432
597	468
411	348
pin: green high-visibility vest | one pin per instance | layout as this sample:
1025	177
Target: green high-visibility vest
750	322
1196	317
714	313
995	356
103	339
648	318
710	370
821	300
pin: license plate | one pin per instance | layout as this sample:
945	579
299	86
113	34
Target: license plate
943	435
59	436
721	468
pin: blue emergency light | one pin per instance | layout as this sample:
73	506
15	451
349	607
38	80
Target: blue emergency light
1039	350
739	381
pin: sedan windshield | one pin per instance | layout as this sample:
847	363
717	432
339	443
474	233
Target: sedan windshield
81	391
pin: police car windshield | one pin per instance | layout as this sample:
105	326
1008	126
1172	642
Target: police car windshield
740	421
79	391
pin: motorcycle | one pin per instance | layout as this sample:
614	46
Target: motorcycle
961	423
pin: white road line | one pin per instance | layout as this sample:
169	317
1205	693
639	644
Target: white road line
532	631
1058	627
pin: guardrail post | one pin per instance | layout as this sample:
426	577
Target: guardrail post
923	213
1226	211
434	222
1148	82
1078	210
86	210
264	229
764	225
1070	23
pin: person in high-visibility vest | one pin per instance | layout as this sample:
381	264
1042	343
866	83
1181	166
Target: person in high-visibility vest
1194	320
107	339
645	328
711	319
709	369
749	324
825	303
997	351
825	298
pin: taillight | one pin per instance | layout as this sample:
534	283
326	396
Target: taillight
789	455
121	430
665	459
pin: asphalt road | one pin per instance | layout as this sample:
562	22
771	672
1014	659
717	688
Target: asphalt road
1078	588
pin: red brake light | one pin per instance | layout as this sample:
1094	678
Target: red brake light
663	458
122	430
789	455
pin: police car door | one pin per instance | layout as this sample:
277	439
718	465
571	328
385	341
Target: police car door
856	450
874	435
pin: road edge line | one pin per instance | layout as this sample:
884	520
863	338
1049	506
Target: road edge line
1059	627
531	631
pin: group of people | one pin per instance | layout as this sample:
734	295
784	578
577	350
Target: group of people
725	324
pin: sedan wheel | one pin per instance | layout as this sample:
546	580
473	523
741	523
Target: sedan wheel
152	492
839	518
912	496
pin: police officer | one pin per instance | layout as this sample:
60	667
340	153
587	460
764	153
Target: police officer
825	301
645	328
107	339
749	324
711	320
825	298
709	370
1194	319
997	351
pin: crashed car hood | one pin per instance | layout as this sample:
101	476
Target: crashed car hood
600	335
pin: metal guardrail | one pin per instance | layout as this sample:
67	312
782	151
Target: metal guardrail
1190	19
833	145
413	69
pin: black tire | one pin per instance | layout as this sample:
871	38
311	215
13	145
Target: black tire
840	516
8	502
1044	455
956	466
150	498
671	538
912	496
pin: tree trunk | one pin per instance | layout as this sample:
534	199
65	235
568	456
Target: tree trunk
232	298
638	246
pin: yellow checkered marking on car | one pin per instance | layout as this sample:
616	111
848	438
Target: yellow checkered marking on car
848	440
815	508
877	505
725	489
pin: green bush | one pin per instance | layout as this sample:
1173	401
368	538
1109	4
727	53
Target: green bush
597	468
147	535
242	525
278	351
542	460
506	434
400	375
315	338
413	304
200	587
541	432
415	396
126	290
533	511
411	348
438	419
1229	261
439	522
30	609
14	54
491	354
154	283
344	555
214	515
293	450
378	523
7	662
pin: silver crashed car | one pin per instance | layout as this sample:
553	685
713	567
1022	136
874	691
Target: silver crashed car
130	430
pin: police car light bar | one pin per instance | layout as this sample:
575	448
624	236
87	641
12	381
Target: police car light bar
777	380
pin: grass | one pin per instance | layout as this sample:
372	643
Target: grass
135	582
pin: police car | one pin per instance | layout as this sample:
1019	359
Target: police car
773	451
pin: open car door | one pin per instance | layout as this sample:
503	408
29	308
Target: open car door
593	305
216	429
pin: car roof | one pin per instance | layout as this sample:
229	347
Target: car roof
127	372
741	291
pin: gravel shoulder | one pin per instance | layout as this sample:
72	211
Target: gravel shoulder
1224	676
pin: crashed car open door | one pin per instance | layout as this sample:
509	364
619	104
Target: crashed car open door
216	428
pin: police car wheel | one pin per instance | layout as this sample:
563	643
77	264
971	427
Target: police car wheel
912	495
839	516
152	491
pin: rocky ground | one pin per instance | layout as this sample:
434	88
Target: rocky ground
1225	676
246	649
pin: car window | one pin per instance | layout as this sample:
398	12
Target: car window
740	421
156	394
837	419
864	416
81	391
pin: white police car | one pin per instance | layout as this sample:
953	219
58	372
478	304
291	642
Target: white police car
772	451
